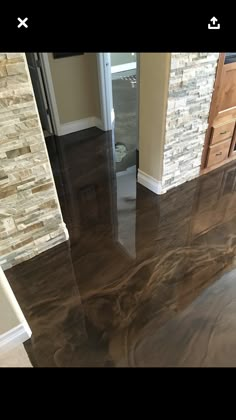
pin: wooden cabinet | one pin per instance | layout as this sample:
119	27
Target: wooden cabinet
227	97
218	152
221	134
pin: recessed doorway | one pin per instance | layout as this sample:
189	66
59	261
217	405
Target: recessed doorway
119	74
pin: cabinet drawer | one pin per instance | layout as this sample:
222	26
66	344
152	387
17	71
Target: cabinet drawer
222	132
218	152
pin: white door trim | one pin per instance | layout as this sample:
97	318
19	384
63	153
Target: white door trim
105	88
50	92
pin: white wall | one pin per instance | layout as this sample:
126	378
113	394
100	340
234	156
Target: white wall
16	357
122	58
11	317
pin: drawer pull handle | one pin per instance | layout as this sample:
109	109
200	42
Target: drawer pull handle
218	154
223	132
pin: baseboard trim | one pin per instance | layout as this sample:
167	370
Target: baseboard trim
80	125
149	182
97	122
66	232
15	336
123	67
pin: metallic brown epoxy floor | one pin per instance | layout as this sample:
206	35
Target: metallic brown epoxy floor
92	302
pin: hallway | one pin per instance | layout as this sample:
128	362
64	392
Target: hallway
89	302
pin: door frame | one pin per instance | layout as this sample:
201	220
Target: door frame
36	64
50	93
105	90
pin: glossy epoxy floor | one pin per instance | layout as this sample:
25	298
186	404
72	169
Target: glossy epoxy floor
163	295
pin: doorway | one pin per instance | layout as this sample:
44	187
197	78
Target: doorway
119	95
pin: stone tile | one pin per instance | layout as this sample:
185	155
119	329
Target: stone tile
48	204
6	192
25	171
34	226
14	55
7	224
3	175
16	68
18	152
36	147
21	244
6	251
42	187
13	102
42	240
3	70
10	82
191	83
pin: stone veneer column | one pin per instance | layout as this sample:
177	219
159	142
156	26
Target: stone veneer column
191	82
30	216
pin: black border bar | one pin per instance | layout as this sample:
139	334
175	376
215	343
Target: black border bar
73	31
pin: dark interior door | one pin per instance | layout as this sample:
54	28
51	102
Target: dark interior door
39	92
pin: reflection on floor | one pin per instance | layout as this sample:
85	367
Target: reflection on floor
172	303
126	209
125	103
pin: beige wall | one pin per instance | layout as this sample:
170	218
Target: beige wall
11	315
75	82
16	357
154	78
122	58
8	315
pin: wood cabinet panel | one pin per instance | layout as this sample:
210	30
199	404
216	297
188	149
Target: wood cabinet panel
222	132
220	137
227	96
218	152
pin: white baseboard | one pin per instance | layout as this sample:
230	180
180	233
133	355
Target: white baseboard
66	232
149	182
97	122
15	336
123	67
79	125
